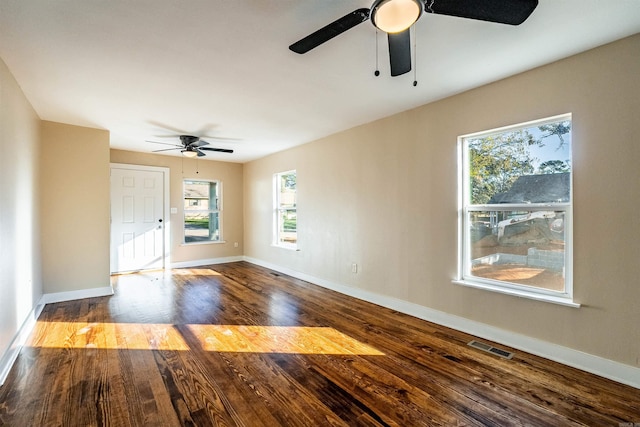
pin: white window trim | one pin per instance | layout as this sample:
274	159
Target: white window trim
219	211
275	241
464	277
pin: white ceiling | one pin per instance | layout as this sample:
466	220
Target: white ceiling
149	68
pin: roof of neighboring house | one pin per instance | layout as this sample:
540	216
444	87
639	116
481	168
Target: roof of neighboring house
546	188
196	191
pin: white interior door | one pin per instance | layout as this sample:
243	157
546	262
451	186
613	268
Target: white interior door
137	219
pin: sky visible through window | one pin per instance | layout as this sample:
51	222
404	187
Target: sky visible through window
553	149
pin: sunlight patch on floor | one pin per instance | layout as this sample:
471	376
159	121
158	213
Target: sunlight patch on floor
219	338
194	272
278	339
131	336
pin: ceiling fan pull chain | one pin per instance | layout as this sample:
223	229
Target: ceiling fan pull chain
415	56
377	71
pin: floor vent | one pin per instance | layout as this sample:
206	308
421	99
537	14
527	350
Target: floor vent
490	349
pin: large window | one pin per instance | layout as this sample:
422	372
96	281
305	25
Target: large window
202	211
515	219
285	214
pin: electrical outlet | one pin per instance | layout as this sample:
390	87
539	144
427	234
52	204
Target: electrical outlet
235	244
354	268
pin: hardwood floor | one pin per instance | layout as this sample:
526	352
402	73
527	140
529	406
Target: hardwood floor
240	345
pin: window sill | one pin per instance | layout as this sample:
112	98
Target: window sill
289	248
566	301
210	242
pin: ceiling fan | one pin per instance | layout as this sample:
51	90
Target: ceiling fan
395	17
191	146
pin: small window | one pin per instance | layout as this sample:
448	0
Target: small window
516	209
202	211
285	213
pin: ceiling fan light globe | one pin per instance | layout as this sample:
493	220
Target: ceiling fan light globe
189	153
394	16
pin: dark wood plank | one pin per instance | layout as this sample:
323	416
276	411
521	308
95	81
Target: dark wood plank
241	345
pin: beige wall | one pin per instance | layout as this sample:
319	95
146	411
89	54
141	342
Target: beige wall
20	274
74	164
384	195
230	174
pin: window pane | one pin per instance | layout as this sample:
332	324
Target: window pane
201	227
201	211
287	188
528	165
285	215
197	195
523	247
287	232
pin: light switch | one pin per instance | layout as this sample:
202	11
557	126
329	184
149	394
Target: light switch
174	211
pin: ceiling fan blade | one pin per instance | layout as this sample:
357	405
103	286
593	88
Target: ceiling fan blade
513	12
166	127
199	143
221	138
400	52
330	31
221	150
167	149
165	143
200	153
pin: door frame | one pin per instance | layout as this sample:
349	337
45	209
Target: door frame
166	240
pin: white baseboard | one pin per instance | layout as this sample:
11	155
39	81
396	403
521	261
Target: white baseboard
201	262
625	374
79	294
9	357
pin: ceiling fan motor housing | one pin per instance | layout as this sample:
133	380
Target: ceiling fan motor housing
188	139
